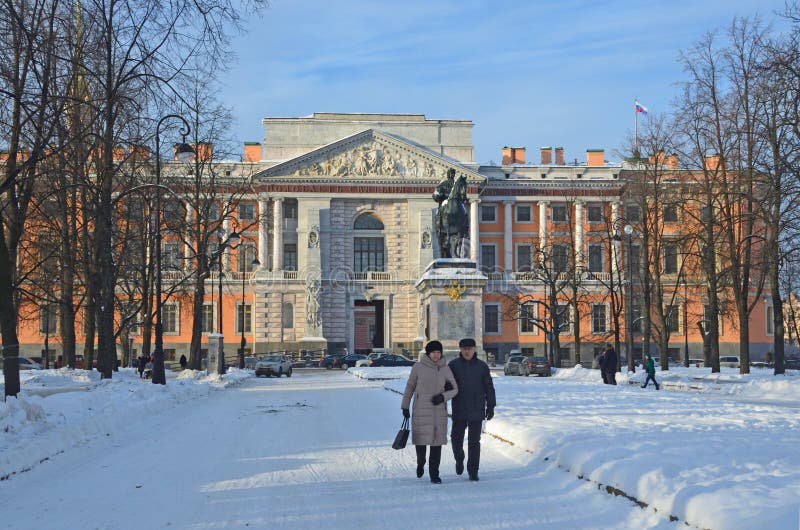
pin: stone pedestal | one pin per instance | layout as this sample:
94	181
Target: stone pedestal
216	361
451	294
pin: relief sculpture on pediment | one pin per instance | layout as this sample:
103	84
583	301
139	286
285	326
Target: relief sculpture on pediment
372	159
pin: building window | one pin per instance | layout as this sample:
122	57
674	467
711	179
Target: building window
705	214
527	317
246	253
173	212
290	256
594	213
524	258
491	319
595	263
636	320
488	258
635	261
559	258
488	213
48	319
599	324
287	315
169	317
290	209
368	254
670	212
672	319
368	221
207	324
633	214
247	211
524	214
244	318
171	256
670	258
558	213
770	321
563	318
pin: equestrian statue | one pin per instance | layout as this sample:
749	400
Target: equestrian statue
452	216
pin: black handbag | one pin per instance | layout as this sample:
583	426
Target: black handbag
402	436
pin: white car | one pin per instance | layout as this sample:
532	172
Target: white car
365	362
274	364
27	364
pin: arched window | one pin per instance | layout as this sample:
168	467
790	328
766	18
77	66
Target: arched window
368	221
287	316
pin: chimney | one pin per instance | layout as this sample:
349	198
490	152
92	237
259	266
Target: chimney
547	155
712	162
140	152
672	161
119	153
595	157
559	156
252	152
513	155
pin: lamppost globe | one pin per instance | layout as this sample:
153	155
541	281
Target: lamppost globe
184	152
628	229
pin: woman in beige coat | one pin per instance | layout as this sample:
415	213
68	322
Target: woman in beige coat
429	421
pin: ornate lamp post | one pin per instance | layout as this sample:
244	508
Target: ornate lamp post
685	323
255	263
184	153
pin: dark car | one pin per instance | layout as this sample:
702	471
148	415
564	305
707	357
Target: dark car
331	361
792	364
350	360
391	360
539	366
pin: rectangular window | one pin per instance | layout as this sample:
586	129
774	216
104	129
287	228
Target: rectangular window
633	214
670	258
213	258
636	320
244	317
705	214
562	318
594	213
290	209
770	321
595	261
559	258
169	317
247	211
672	319
207	324
488	213
599	318
524	214
524	258
635	261
527	317
488	258
48	319
245	256
290	256
173	211
670	213
368	254
558	213
491	318
171	256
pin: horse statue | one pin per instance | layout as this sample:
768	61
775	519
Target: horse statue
452	221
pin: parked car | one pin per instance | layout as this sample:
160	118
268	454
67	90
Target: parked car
351	360
731	361
391	360
697	363
25	364
760	364
539	366
365	361
516	365
331	361
791	364
274	364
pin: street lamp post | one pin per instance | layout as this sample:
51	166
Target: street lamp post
685	323
184	153
255	263
628	320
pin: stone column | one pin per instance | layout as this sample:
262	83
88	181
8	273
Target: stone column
226	258
187	249
579	235
263	233
543	226
616	225
508	242
277	237
474	243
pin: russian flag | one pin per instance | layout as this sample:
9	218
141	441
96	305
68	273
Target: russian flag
641	108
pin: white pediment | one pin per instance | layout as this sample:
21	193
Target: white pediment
370	155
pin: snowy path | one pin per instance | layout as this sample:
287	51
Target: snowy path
312	451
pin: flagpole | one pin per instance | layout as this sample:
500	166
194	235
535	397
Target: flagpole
635	129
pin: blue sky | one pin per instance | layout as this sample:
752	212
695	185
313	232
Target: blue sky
526	73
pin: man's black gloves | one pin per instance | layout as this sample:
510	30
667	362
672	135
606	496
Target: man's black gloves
489	414
438	398
406	414
447	386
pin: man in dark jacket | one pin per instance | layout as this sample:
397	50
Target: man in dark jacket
609	366
474	402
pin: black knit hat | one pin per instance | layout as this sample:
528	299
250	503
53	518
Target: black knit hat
466	343
433	346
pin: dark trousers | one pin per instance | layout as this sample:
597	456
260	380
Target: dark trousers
611	377
650	378
474	444
436	457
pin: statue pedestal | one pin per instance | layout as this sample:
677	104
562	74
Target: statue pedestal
451	292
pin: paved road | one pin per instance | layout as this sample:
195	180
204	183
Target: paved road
311	451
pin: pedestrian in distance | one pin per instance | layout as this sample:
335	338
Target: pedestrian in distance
474	403
651	372
183	362
426	384
609	367
600	360
142	362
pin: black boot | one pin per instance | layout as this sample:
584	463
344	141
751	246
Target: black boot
459	467
420	460
433	464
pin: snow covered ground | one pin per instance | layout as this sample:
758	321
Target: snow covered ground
716	452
